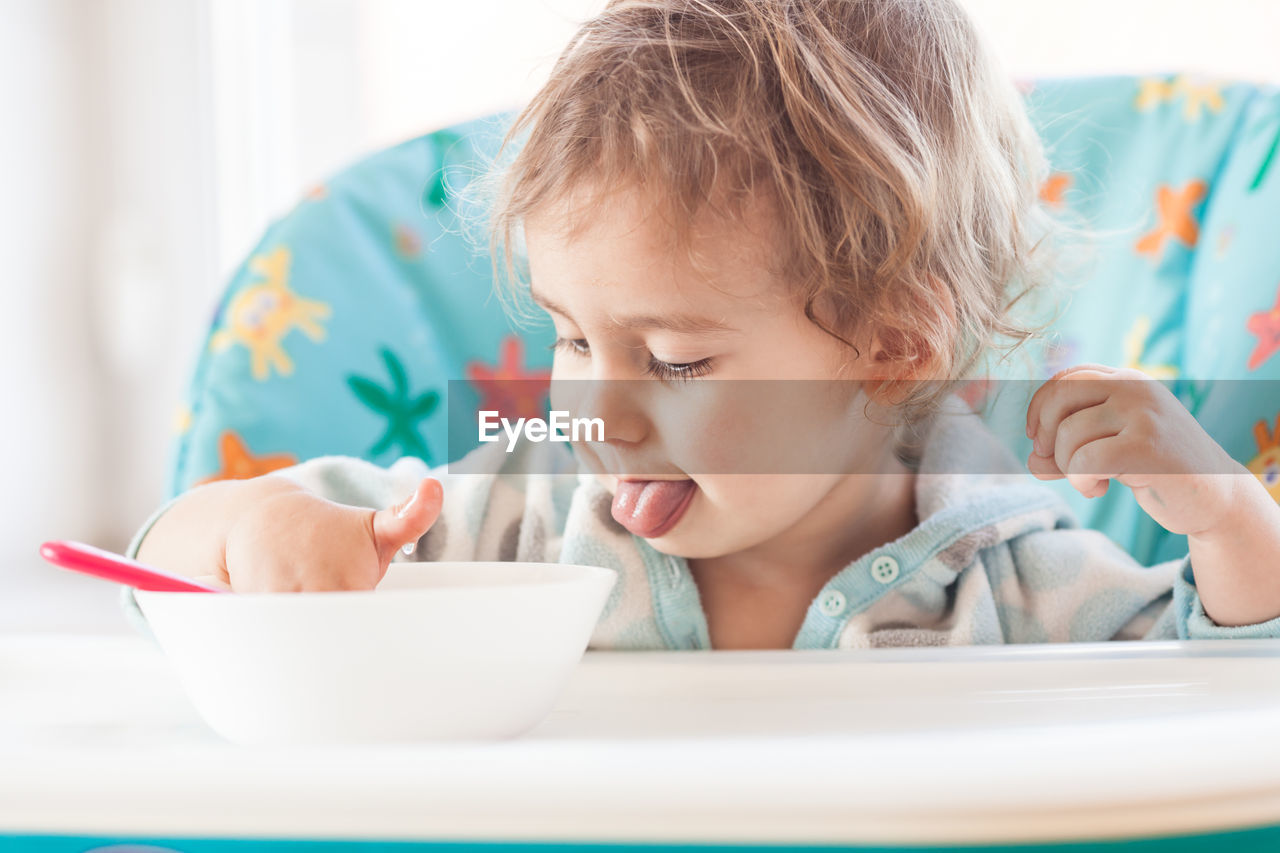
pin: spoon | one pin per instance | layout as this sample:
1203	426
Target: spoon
80	557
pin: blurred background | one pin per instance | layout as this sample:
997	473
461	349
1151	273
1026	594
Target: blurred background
147	144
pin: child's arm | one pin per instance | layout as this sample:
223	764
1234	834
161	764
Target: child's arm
1128	427
272	534
1238	575
293	515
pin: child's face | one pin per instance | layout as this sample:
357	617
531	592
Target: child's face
628	306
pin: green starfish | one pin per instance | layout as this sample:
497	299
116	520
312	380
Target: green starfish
402	411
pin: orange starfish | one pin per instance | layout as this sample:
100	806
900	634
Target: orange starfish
509	388
239	464
1173	208
1053	189
1266	465
1266	325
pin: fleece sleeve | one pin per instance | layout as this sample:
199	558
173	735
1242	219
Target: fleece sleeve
1081	586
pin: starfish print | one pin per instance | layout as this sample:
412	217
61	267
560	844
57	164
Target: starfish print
1266	465
238	463
1173	208
1198	95
262	315
402	410
509	388
1135	343
1266	325
1153	91
1053	189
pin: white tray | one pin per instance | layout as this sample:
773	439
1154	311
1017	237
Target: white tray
963	745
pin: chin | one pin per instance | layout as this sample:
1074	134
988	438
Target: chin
685	547
690	539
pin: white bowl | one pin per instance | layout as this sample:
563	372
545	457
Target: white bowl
438	650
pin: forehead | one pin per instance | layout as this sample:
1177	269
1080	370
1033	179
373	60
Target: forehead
626	246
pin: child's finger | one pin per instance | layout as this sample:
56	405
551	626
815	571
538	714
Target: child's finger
406	522
1080	428
1092	467
1037	399
1079	390
1043	467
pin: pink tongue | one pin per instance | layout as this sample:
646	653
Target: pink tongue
645	506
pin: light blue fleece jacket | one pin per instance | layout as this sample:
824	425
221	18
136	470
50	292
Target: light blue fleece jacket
997	557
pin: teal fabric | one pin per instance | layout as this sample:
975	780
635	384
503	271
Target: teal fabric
377	297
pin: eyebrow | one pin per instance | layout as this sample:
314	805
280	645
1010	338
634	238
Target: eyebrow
687	323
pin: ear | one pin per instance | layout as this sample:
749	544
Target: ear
904	351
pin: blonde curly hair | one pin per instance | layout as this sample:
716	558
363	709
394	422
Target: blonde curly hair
899	159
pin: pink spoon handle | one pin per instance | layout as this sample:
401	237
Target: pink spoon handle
103	564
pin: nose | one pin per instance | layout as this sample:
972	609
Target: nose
619	404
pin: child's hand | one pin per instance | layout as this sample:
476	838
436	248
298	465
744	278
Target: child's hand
1123	424
299	542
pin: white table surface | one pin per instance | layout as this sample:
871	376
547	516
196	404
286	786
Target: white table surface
1012	743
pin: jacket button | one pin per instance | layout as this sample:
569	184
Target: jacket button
884	568
832	603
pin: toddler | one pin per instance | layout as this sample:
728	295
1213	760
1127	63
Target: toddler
829	194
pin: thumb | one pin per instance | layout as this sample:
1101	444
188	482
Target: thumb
405	522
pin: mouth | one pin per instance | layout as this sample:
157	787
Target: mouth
650	508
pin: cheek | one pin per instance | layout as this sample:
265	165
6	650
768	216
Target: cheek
759	427
747	509
717	427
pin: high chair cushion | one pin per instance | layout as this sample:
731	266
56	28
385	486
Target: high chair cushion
364	321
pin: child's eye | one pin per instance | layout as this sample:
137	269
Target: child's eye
577	346
679	372
658	369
